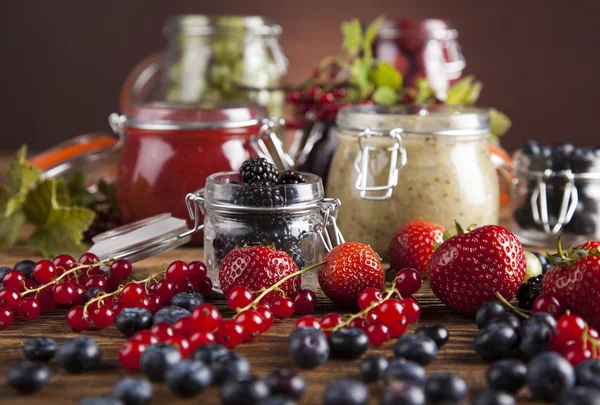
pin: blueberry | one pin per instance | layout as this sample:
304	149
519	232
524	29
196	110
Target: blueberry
419	348
133	391
507	318
209	353
348	343
438	333
131	320
561	156
286	382
542	317
188	378
582	160
372	368
98	400
445	386
91	292
580	396
587	373
495	341
170	315
346	392
28	377
188	300
486	312
39	349
278	400
493	398
548	376
78	355
157	359
308	347
402	393
531	148
25	267
231	366
405	370
535	339
3	271
506	375
248	391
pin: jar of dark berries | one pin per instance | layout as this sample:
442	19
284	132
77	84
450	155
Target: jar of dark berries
288	212
556	190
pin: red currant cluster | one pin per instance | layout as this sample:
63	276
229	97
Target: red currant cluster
383	315
317	103
575	340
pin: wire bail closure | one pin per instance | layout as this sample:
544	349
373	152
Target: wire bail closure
195	204
539	201
267	140
329	209
361	164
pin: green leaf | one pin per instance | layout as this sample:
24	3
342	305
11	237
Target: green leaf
9	229
359	75
18	179
424	92
59	228
385	75
499	122
474	93
110	192
370	34
352	37
385	95
77	190
459	93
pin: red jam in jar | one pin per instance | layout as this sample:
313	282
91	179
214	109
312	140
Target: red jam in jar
170	150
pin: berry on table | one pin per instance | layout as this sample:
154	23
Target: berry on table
368	296
229	366
402	392
495	341
9	298
571	327
507	318
120	269
157	359
196	272
209	353
187	300
378	334
77	318
489	397
133	391
14	280
100	400
78	355
46	300
170	315
6	318
408	281
579	396
283	307
330	321
177	272
373	368
188	378
405	370
413	245
63	292
308	322
390	312
587	373
286	382
25	267
411	309
251	323
28	377
162	331
92	293
418	348
348	343
130	352
146	337
548	376
267	317
346	392
438	333
206	317
535	339
397	330
180	343
486	312
359	323
445	387
183	327
200	338
131	294
308	347
131	320
529	291
253	391
39	349
44	271
103	316
506	375
230	334
542	317
305	302
239	297
29	309
549	303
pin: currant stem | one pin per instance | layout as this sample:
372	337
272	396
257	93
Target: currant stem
254	303
510	306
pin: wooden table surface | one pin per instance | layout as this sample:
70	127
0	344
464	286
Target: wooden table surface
267	353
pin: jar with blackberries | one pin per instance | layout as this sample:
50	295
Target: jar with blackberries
556	190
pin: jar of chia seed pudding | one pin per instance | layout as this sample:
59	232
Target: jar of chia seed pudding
399	163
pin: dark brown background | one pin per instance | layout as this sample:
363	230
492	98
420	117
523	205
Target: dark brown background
63	62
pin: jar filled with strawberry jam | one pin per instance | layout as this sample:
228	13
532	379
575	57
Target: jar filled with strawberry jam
171	148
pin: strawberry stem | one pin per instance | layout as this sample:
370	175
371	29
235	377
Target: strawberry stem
459	229
511	307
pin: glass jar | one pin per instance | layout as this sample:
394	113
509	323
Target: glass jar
400	163
170	149
549	202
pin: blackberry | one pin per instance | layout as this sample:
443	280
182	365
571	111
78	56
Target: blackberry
529	291
258	169
259	194
291	177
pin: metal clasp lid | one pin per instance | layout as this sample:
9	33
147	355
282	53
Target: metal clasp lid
569	201
361	164
329	209
267	139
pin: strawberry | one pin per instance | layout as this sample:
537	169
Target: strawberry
575	280
350	268
413	245
468	269
257	267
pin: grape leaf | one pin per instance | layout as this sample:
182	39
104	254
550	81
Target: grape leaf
499	122
385	95
459	93
18	179
9	225
353	38
77	190
424	92
370	34
59	228
385	75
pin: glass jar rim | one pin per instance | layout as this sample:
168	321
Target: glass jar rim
198	24
442	31
522	165
416	119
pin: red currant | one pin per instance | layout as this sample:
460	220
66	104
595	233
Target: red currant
305	302
571	327
251	322
112	284
577	355
9	298
63	292
411	310
267	317
548	303
166	290
372	317
155	302
390	311
283	307
78	294
239	297
146	337
326	98
77	318
130	352
88	259
206	318
30	284
15	280
64	263
183	327
330	321
103	316
131	294
293	96
200	338
368	296
120	269
308	322
44	271
6	318
97	282
358	323
398	329
28	309
197	272
162	331
46	299
408	281
181	343
118	307
230	333
177	272
204	287
377	334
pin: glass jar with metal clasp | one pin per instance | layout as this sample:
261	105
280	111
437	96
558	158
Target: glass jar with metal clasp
297	219
549	202
395	164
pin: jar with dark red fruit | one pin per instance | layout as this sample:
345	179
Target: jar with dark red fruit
556	191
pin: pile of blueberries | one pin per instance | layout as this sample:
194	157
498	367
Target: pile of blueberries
560	157
548	375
